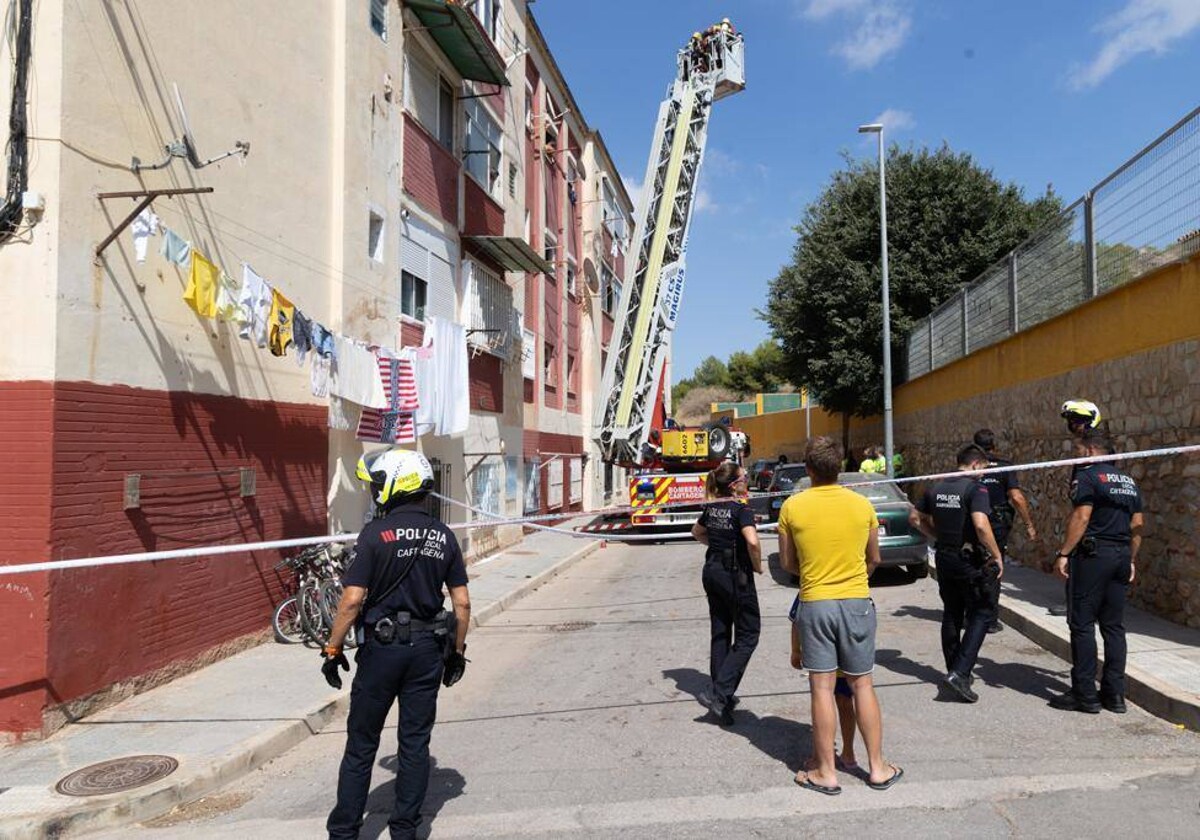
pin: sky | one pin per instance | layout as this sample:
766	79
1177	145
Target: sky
1049	92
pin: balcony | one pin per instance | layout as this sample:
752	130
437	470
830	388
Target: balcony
459	35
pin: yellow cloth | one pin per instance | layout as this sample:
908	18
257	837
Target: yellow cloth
829	526
280	323
227	307
870	465
201	291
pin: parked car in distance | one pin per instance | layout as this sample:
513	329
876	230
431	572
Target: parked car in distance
783	481
760	473
899	543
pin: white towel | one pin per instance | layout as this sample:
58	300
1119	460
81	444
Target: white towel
451	357
255	303
356	374
143	227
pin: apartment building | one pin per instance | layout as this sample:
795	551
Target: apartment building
394	166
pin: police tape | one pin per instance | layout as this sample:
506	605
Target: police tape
495	520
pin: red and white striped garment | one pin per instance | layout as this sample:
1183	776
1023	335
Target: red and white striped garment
393	424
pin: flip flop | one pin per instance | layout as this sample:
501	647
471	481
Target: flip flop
897	776
809	784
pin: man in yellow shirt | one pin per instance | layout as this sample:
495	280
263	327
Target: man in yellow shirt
829	536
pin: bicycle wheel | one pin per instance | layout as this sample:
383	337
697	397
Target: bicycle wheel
286	622
311	620
331	596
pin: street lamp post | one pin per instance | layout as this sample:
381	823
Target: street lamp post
877	129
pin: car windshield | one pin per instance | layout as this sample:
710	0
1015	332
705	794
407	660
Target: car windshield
787	476
875	493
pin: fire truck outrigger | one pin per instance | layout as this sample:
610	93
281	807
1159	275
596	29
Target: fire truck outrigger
668	463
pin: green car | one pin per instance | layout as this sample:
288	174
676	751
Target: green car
899	543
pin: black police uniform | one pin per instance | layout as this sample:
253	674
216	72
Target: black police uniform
966	607
728	579
406	542
1098	579
1003	514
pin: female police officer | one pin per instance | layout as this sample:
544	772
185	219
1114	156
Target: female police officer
393	592
726	526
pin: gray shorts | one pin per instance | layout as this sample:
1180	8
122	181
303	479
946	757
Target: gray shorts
839	635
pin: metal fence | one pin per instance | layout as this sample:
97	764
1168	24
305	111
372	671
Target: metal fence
1143	216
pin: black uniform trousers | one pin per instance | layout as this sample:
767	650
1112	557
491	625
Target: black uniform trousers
1001	533
967	610
411	672
1096	590
736	623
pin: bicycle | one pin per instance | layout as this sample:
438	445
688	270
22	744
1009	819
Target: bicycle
308	614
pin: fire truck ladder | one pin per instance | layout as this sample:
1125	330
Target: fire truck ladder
653	284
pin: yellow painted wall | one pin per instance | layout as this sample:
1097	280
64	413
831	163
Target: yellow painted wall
1159	309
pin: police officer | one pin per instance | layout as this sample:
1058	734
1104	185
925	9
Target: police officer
726	526
954	513
410	644
1007	500
1098	560
1081	416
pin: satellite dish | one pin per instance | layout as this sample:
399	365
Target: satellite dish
189	140
241	147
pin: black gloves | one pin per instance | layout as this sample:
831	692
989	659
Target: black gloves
333	658
456	665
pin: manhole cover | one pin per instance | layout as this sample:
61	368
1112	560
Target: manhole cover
568	626
117	775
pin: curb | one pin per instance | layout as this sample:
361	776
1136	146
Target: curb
194	782
1156	696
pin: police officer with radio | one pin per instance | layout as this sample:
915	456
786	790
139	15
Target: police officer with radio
955	513
1007	500
409	643
1098	560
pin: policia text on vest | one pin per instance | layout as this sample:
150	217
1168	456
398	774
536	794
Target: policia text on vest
410	644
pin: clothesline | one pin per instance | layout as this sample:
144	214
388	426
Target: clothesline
385	384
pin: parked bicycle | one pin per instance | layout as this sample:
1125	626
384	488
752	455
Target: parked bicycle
308	614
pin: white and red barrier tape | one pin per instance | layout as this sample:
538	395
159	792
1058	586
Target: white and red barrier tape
494	520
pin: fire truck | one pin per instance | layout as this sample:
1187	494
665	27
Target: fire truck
667	463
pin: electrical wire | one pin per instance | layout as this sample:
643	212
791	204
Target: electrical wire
17	147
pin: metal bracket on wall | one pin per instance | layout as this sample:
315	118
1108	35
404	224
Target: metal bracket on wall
133	491
248	481
147	198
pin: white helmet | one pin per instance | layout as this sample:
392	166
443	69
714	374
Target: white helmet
395	475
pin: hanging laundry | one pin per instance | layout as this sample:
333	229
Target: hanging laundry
343	414
279	333
174	247
322	340
255	302
301	336
201	291
319	374
356	374
143	227
428	395
228	309
450	360
393	424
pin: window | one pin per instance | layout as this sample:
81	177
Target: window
608	479
375	237
576	480
512	182
550	251
488	13
379	18
445	132
607	279
482	150
429	97
614	220
572	181
572	379
533	486
554	481
549	366
485	487
528	354
413	291
572	273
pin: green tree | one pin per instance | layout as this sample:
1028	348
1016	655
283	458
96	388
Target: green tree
759	371
948	220
711	372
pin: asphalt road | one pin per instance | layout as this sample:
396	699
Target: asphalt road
578	715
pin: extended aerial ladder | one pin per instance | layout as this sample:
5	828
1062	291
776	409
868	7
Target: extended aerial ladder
709	69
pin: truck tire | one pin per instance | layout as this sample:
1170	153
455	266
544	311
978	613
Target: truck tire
719	442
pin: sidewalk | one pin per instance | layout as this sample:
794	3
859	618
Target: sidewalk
1162	670
225	720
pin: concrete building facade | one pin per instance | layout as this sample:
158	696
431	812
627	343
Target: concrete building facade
385	184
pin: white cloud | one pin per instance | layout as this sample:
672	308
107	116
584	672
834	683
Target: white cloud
893	119
634	188
880	28
1142	26
705	203
717	162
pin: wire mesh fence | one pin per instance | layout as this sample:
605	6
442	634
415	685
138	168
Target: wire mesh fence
1144	215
